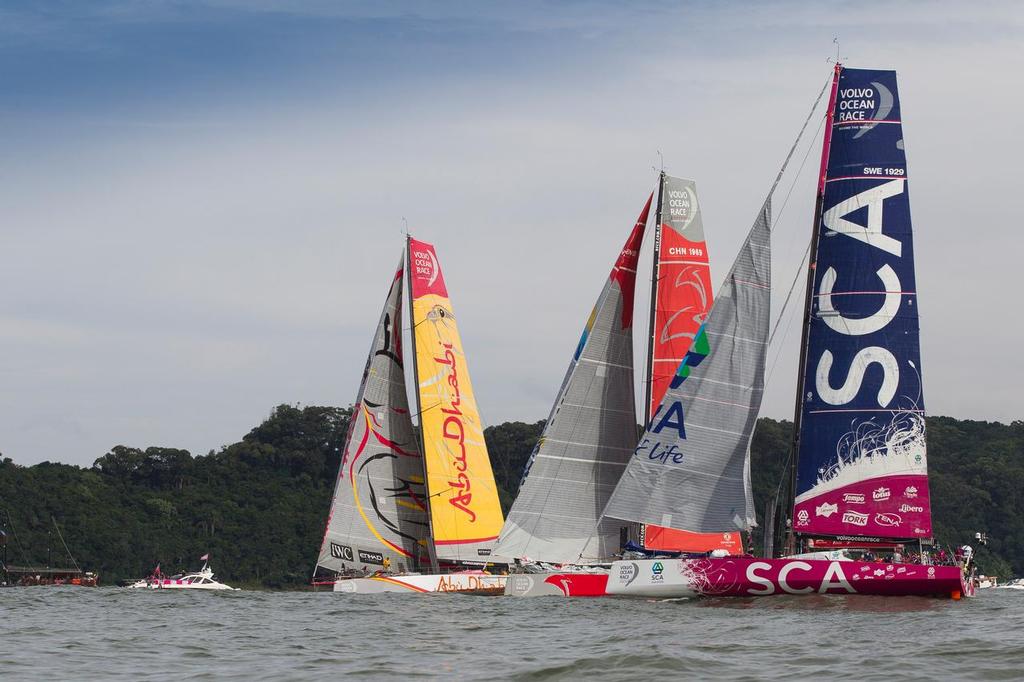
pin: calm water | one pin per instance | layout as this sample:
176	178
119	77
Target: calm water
78	633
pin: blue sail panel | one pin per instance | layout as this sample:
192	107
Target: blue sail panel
862	466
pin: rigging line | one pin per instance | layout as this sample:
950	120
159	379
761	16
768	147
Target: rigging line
24	555
792	149
59	535
800	270
810	148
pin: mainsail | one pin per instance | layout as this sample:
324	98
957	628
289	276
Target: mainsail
464	509
379	506
681	292
589	435
862	467
690	470
680	299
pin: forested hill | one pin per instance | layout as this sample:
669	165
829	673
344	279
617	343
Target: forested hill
258	506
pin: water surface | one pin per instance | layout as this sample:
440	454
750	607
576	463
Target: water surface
108	632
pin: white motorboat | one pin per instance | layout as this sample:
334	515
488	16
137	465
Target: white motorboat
1017	584
200	580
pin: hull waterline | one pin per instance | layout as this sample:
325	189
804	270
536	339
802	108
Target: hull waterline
755	577
557	584
446	582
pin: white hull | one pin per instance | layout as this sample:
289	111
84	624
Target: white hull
637	579
203	580
447	582
175	585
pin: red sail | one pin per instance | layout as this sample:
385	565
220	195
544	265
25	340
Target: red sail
682	293
681	299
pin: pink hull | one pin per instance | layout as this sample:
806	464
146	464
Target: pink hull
752	577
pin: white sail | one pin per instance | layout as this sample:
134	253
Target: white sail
378	515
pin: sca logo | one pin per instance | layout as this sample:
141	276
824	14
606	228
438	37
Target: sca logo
657	571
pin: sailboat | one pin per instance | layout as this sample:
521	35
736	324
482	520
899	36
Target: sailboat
414	512
555	524
859	477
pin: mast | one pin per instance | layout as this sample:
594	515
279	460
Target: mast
431	551
651	337
790	544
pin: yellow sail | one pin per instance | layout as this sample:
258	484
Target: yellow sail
465	513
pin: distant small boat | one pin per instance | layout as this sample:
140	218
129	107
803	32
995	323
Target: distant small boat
200	580
1017	584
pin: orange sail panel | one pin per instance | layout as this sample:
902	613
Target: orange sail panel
672	540
464	509
682	292
682	298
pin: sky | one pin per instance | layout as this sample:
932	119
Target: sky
202	202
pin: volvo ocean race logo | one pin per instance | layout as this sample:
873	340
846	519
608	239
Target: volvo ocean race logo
826	509
855	518
628	573
682	207
869	104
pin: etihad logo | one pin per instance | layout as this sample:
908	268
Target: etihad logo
889	520
910	508
910	493
855	518
880	494
853	498
826	510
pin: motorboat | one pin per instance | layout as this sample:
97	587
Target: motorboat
200	580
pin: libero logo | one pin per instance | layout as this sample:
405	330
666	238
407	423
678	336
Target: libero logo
855	518
910	508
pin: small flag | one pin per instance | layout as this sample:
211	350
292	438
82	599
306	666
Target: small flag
205	557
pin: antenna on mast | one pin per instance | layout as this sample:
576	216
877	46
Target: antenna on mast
838	58
406	223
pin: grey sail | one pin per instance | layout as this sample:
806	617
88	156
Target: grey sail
589	436
378	515
690	470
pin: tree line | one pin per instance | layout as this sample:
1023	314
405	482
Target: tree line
259	506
